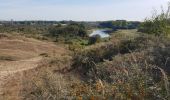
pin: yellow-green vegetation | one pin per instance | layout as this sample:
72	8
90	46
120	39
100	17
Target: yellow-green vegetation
129	65
68	33
128	69
133	67
158	25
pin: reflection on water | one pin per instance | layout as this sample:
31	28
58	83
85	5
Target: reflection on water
103	33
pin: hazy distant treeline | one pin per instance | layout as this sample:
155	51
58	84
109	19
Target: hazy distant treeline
120	24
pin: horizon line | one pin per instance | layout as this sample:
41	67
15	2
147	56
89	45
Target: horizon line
71	20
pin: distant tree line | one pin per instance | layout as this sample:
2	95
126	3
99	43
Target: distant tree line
46	23
120	24
19	23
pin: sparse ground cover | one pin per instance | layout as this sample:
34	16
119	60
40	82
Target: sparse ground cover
19	54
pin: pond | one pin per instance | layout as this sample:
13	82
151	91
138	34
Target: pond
102	32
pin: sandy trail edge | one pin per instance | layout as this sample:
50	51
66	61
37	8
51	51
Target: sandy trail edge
13	67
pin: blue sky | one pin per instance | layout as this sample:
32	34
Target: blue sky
79	10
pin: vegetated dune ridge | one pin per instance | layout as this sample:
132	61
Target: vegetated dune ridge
17	55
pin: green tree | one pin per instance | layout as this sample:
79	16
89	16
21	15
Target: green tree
95	39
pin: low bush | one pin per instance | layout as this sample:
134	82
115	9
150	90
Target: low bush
126	69
94	39
134	67
158	25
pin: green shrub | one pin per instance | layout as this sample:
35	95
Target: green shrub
68	32
94	39
158	24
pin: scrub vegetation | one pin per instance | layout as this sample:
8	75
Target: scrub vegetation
132	64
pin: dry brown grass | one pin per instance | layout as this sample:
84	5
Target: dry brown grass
27	48
20	59
98	72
